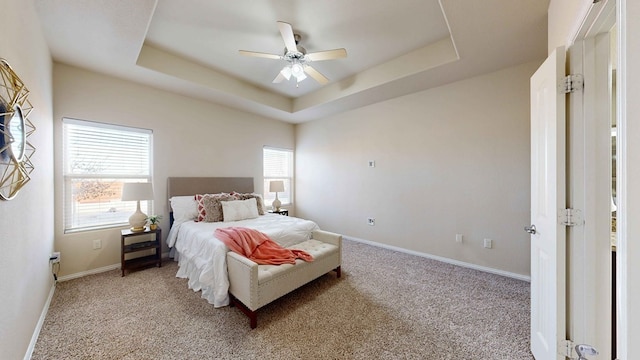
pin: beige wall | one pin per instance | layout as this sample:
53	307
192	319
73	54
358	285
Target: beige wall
450	160
26	222
191	138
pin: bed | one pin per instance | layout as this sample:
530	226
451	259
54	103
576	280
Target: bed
225	277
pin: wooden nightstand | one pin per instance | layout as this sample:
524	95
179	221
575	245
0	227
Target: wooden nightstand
138	262
284	212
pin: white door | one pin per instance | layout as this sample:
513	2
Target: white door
547	201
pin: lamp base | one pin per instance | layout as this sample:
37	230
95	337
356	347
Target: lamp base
276	204
138	220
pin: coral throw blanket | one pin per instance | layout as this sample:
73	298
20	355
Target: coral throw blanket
258	247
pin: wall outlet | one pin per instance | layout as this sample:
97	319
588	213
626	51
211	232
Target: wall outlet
97	244
55	257
458	238
371	221
372	163
488	243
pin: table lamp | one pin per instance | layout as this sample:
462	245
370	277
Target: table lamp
276	186
137	192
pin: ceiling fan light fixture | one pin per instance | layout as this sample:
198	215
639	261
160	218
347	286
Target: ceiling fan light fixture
297	58
286	72
297	70
300	77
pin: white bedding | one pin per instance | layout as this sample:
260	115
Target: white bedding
202	257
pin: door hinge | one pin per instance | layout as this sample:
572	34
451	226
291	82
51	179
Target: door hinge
570	217
571	83
565	348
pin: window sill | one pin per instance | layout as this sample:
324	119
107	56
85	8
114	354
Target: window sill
96	228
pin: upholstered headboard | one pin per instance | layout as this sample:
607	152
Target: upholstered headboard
181	186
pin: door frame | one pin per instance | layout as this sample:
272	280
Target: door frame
628	169
589	274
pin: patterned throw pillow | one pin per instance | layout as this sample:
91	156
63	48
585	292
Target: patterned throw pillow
213	207
202	212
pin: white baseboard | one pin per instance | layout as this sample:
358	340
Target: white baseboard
89	272
99	270
442	259
36	331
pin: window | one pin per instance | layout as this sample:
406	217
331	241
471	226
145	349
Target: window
278	165
98	159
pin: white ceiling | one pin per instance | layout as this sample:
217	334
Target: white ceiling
394	47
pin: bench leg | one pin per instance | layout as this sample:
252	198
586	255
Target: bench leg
253	315
338	271
253	319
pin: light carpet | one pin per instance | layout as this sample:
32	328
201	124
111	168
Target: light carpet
387	305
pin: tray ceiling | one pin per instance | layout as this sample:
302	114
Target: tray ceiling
394	48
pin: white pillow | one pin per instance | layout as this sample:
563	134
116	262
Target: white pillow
185	208
239	209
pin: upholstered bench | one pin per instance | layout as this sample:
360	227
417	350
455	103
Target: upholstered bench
252	286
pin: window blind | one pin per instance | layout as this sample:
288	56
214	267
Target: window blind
278	165
98	159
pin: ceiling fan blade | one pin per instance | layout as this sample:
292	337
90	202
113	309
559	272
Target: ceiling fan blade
259	54
278	78
315	74
287	35
327	55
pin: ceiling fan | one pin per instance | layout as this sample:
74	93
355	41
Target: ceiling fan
297	58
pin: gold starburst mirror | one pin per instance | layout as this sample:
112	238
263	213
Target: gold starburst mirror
15	128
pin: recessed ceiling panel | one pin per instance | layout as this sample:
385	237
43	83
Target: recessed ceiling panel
210	33
394	48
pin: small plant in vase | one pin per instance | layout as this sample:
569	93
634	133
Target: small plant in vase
153	221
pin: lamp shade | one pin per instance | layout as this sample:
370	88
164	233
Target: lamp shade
137	191
276	186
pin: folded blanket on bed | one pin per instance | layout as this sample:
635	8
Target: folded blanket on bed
258	247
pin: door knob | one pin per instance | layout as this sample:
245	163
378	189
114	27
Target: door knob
530	229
